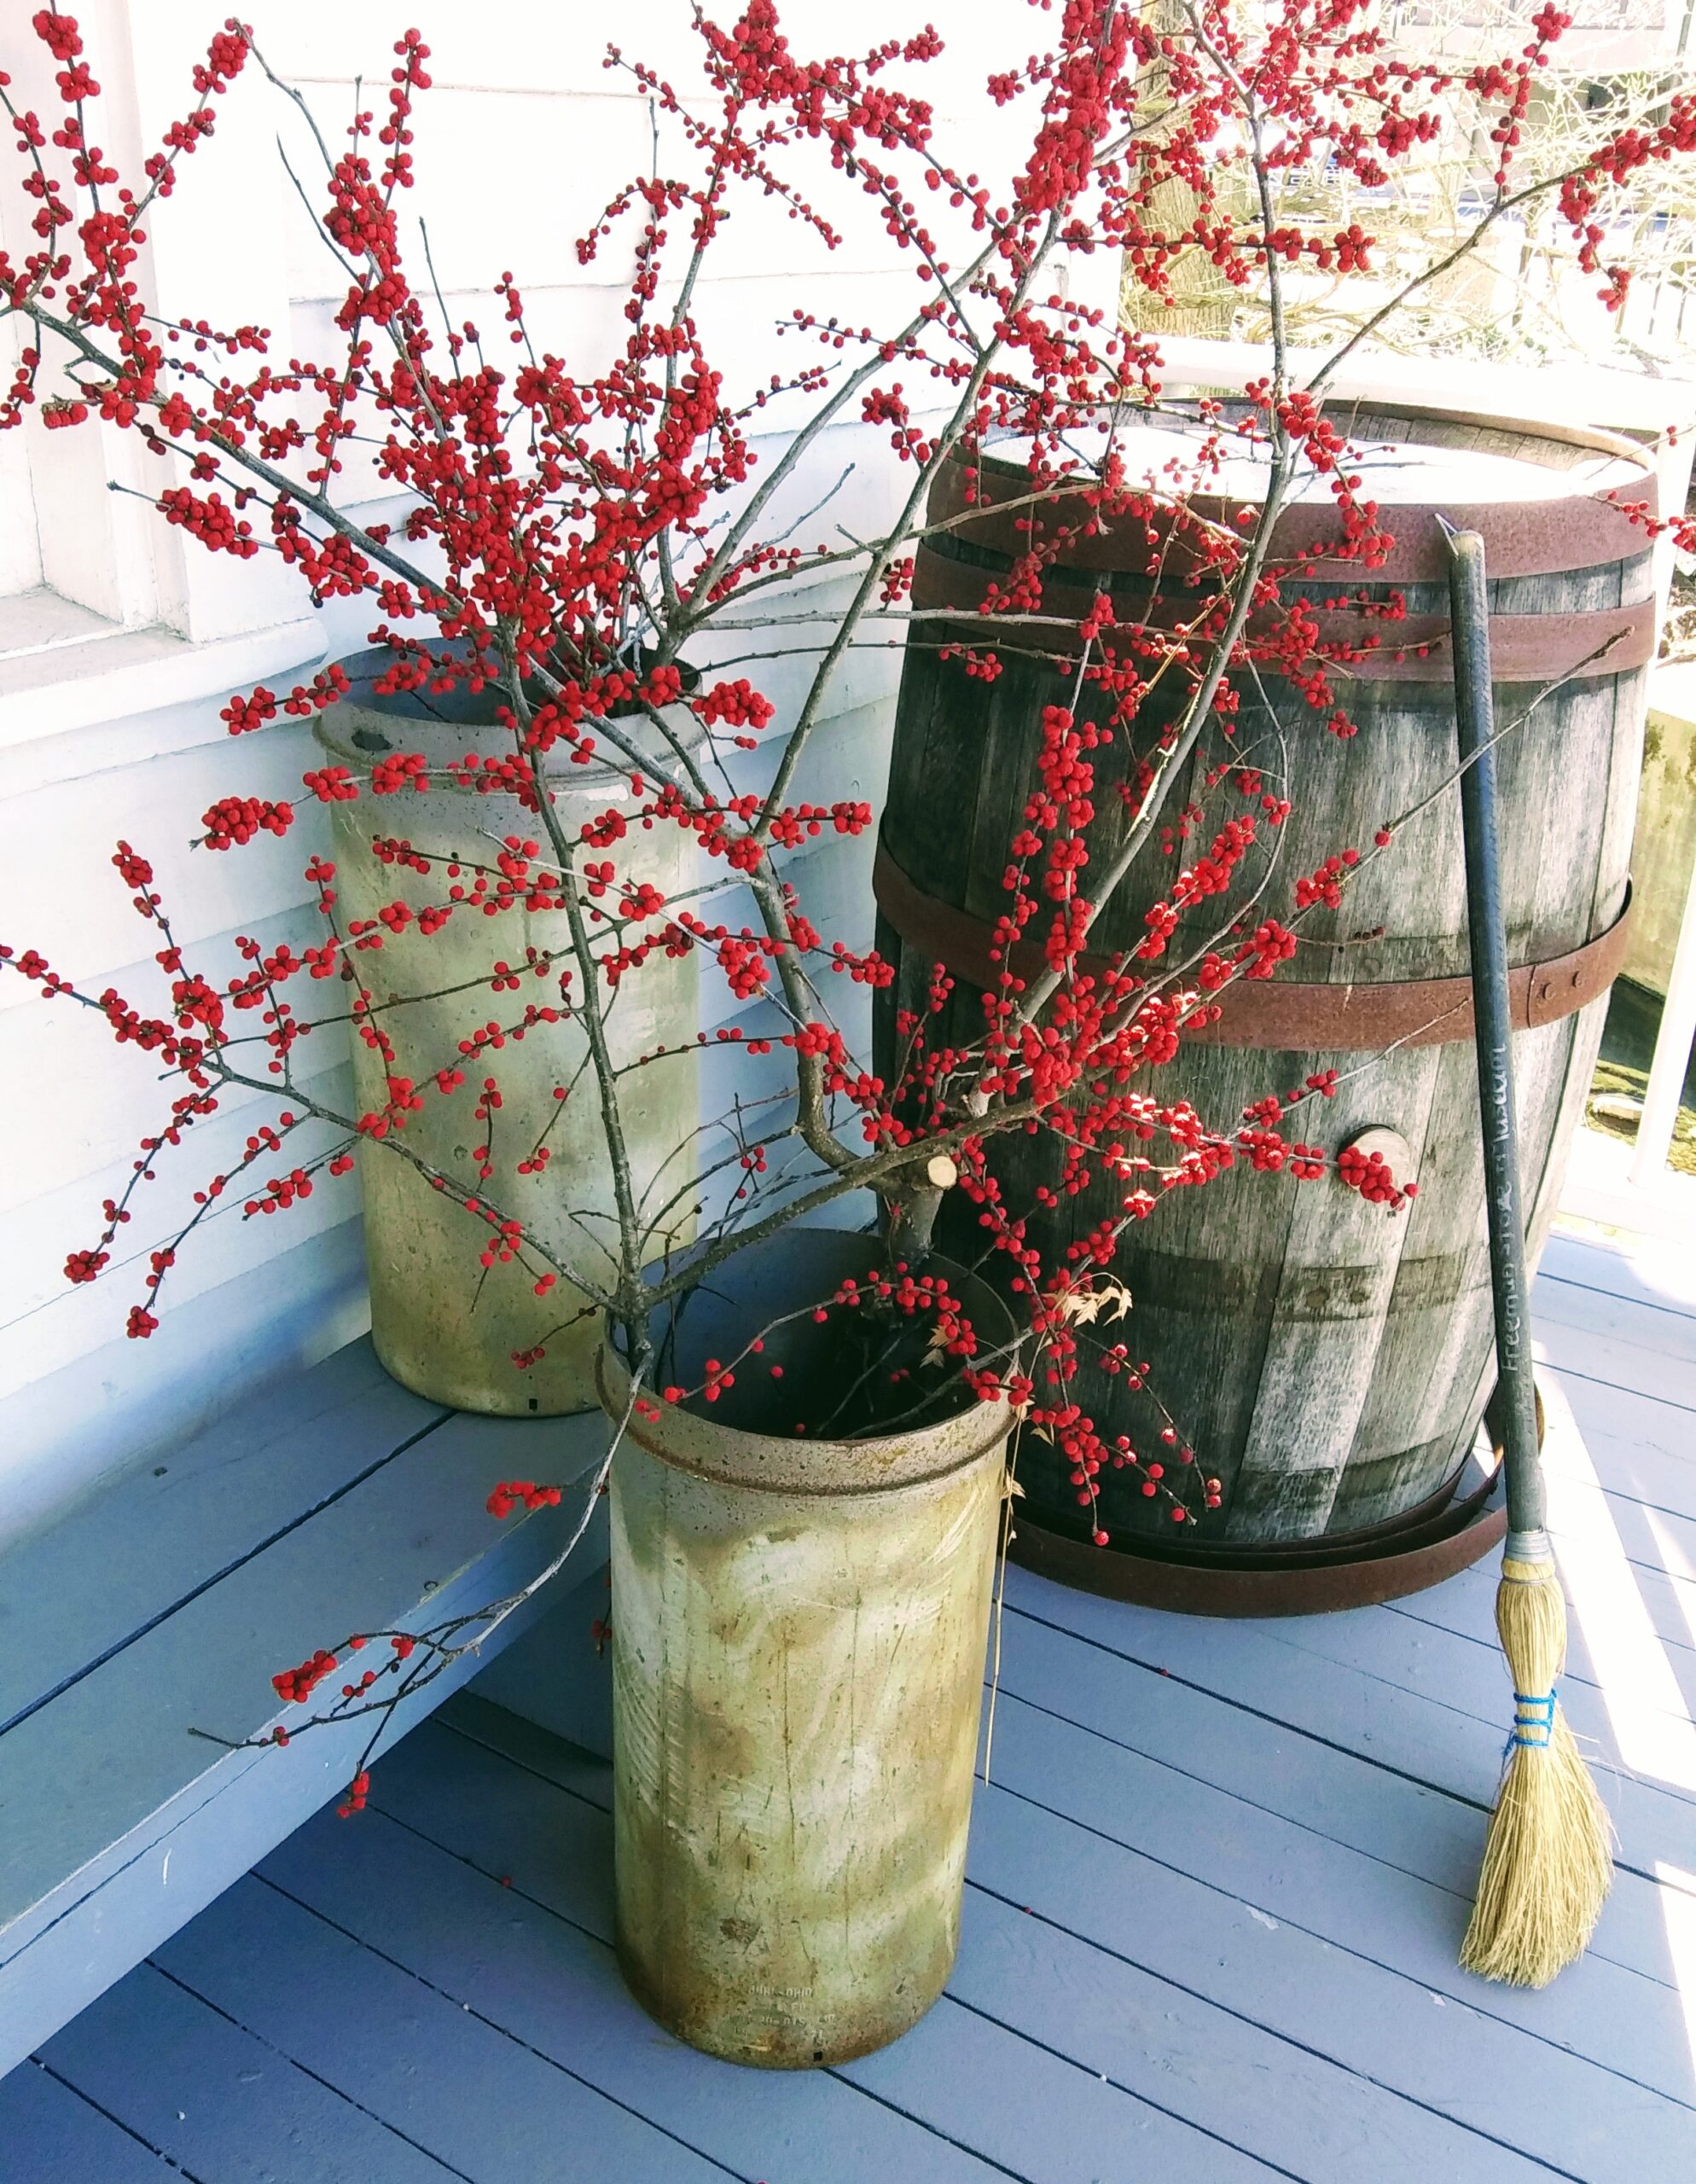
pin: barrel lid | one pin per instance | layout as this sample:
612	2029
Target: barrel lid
445	727
1393	472
1547	498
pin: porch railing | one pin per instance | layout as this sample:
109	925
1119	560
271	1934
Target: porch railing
1637	1190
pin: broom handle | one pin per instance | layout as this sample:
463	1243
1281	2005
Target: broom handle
1492	1032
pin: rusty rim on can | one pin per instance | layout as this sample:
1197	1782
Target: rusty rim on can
808	1265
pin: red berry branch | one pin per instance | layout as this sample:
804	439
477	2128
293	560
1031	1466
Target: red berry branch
585	551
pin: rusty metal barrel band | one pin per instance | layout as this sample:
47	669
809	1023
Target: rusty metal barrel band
1524	647
1287	1588
1446	1533
1282	1016
1291	1578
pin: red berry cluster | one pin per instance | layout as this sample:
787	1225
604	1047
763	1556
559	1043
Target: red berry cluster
513	1493
358	1791
574	540
1369	1174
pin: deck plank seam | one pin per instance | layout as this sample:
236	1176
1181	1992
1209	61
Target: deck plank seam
1312	1736
1155	1759
1416	1604
1568	1674
1670	1306
470	2009
1236	1797
1479	2008
1655	1881
1409	1609
919	2123
1295	1728
1618	1772
1230	1896
1088	1941
1619	1329
524	1766
295	2062
1638	1501
1255	1713
1614	1387
591	1804
117	1873
599	1941
1319	1834
1388	1683
1272	2032
1634	1561
68	1682
117	2122
1103	2077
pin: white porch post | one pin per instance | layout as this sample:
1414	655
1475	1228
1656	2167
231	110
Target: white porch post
1672	1054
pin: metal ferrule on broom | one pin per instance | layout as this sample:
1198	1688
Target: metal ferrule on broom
1548	1863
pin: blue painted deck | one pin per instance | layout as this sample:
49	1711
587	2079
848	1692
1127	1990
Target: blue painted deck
1217	1878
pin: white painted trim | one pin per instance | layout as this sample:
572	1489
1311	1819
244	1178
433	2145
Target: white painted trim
102	678
1598	1188
1673	1041
1638	1213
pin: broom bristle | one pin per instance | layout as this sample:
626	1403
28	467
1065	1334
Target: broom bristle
1548	1861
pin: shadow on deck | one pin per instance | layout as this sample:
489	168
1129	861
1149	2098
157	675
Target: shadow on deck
1217	1884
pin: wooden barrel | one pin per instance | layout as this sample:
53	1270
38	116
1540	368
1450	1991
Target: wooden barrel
1326	1362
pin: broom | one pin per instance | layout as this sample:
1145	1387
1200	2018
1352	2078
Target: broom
1548	1863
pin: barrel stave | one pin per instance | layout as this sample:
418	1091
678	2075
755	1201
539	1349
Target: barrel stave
1435	1344
1336	1281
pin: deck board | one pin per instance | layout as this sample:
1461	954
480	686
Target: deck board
1630	1343
69	2141
509	1955
473	1802
406	2049
220	2103
1649	1272
1467	1607
1215	1883
203	1512
1279	1924
1469	1679
1023	1962
1340	1799
1170	2046
118	1824
1341	1703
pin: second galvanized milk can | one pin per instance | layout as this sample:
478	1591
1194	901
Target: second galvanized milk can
453	1308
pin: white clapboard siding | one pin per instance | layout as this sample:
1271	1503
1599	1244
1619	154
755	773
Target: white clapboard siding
505	182
84	1128
509	181
543	47
540	46
19	543
157	806
84	708
120	1404
51	1322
